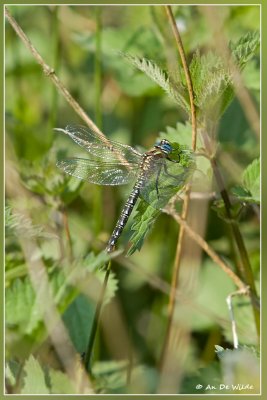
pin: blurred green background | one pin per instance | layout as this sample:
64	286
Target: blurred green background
70	219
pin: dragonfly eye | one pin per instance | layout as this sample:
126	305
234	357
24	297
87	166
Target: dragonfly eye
165	146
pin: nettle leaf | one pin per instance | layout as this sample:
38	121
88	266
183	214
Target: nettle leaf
94	266
212	84
240	365
110	376
34	381
250	190
251	179
112	286
10	375
19	225
181	133
242	194
95	263
212	79
176	90
45	179
60	383
245	48
21	309
142	223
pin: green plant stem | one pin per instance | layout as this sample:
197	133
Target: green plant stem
56	63
67	231
189	83
98	70
179	248
245	268
97	190
90	345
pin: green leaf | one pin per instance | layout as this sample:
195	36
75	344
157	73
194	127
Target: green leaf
110	376
243	195
251	179
19	225
212	84
10	375
21	308
45	179
212	79
213	284
60	383
95	264
34	381
144	379
142	223
78	319
182	133
250	191
174	89
244	49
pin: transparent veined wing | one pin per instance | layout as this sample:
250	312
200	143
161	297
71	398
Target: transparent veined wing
104	173
110	150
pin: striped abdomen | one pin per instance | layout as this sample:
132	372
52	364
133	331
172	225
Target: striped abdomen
125	214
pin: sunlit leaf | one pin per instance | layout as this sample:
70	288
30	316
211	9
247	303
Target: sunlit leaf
34	381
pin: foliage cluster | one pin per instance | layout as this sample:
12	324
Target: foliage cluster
128	58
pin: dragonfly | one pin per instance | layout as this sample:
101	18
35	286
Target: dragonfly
157	174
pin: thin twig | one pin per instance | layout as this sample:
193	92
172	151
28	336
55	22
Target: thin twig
187	74
181	238
92	336
204	245
97	68
239	292
67	231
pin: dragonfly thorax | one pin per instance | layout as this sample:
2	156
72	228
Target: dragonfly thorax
165	146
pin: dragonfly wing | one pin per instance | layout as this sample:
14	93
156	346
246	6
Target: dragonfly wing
107	173
92	142
164	180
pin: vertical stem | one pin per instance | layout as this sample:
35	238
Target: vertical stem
67	231
55	62
187	74
245	268
97	190
98	70
90	345
178	256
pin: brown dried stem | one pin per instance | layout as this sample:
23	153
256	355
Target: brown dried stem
204	245
178	256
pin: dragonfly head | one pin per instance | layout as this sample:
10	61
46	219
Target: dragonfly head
164	145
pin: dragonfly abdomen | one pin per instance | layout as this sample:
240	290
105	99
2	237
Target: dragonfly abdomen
125	214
